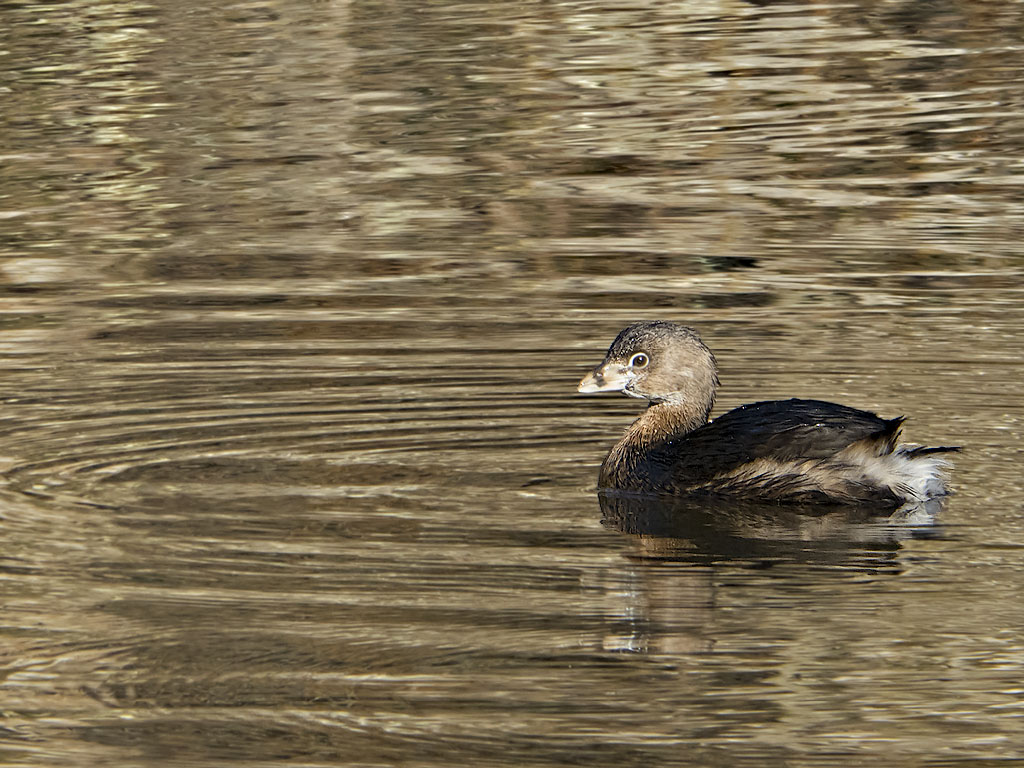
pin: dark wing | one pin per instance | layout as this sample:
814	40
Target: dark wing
780	429
801	429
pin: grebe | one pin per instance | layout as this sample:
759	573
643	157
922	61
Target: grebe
802	451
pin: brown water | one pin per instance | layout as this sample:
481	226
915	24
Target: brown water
294	301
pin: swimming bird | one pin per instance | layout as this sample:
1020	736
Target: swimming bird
800	451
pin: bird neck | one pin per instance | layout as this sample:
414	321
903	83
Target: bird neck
660	424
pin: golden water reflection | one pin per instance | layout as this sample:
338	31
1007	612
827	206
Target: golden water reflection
293	300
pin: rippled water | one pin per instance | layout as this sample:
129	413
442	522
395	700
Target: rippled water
294	301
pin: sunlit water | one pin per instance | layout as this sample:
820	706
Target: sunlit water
294	302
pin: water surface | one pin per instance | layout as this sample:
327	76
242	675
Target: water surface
294	301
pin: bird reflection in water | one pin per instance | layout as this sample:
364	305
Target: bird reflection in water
684	550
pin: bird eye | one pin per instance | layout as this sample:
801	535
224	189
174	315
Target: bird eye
639	360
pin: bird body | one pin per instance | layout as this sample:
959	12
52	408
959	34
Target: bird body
801	451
